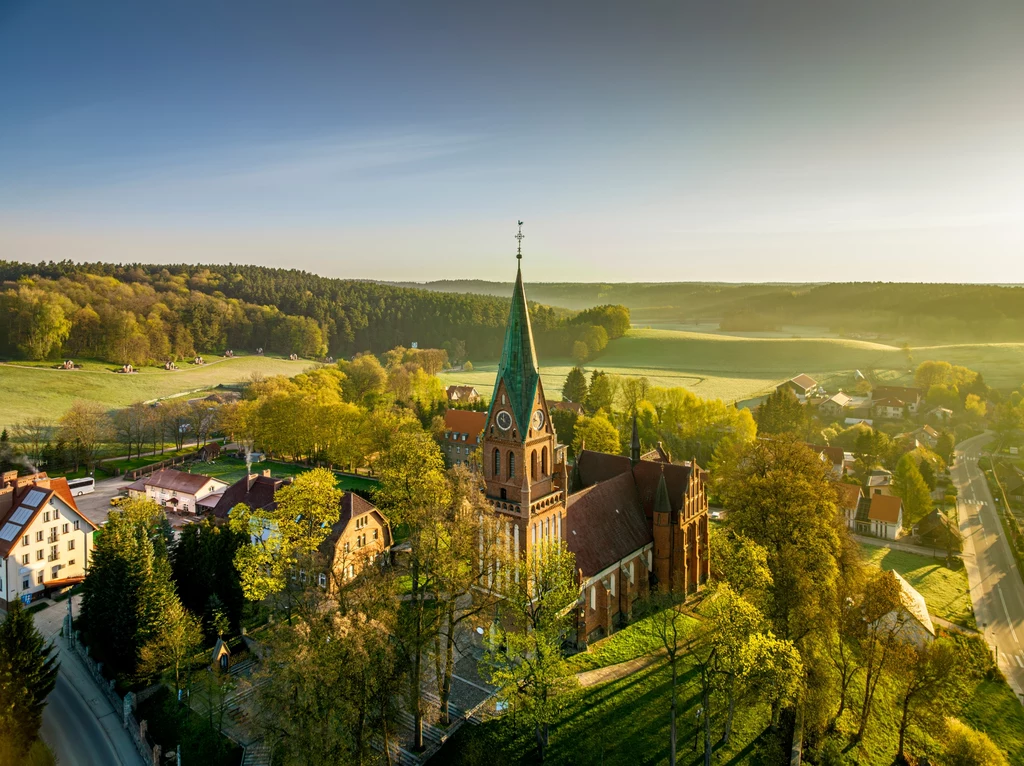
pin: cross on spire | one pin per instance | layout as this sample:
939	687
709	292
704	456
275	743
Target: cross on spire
519	236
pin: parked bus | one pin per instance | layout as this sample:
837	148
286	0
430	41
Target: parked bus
81	487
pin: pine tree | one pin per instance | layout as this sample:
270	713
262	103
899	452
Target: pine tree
28	673
575	388
908	484
781	413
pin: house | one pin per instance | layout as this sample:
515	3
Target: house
888	408
45	541
1011	480
879	482
209	451
565	406
255	490
850	496
463	430
631	523
926	436
911	622
886	516
908	396
462	395
939	531
835	404
361	536
834	457
802	385
176	490
940	414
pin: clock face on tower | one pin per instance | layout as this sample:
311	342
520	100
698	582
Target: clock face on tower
504	420
538	419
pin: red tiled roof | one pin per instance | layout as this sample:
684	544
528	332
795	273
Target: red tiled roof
465	422
352	505
885	508
177	481
605	523
905	393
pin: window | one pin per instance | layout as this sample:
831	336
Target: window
630	572
533	465
376	534
46	516
56	513
39	577
323	580
497	463
24	540
593	597
76	525
71	545
66	528
25	584
511	465
39	536
544	462
39	555
612	578
465	436
24	559
71	563
346	547
54	572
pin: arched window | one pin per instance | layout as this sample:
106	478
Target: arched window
544	461
533	465
497	463
511	464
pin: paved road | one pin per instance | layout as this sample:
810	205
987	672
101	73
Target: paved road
96	505
79	723
996	587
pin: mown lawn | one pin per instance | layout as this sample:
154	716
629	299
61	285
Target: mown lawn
945	590
37	389
635	640
231	469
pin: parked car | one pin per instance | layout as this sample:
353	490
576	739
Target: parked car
116	501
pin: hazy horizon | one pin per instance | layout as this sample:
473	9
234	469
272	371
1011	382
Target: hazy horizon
789	142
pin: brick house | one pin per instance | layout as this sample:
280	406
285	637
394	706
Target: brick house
463	430
361	536
45	541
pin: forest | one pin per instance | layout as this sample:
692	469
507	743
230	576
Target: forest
145	314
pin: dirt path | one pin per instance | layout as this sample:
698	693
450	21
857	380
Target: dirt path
621	670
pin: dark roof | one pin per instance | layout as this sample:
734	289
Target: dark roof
178	481
905	393
836	455
849	495
597	467
605	523
352	505
804	381
260	495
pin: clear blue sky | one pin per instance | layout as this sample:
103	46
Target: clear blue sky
639	141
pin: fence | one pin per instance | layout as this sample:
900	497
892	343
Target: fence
137	730
138	473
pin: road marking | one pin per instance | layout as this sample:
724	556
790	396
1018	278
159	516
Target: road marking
1007	612
1019	663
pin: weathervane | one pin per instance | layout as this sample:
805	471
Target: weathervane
519	236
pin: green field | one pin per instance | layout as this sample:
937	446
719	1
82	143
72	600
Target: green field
231	469
945	590
36	389
732	367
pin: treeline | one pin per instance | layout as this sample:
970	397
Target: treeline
140	314
939	312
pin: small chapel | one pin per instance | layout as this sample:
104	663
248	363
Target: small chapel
633	522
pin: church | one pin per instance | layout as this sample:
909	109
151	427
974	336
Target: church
632	522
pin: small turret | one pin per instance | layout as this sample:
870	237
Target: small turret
634	445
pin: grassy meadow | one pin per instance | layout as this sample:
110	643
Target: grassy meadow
28	389
733	367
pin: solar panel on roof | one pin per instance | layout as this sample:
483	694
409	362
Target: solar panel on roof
21	516
34	498
9	532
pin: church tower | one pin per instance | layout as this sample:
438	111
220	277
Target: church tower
518	450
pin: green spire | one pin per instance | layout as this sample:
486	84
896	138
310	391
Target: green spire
518	367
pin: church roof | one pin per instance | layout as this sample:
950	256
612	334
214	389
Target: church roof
605	523
518	367
597	467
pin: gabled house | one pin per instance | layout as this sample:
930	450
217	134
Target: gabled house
888	408
879	482
886	516
850	496
939	531
834	457
908	396
254	490
565	406
176	490
45	541
463	431
911	622
835	405
802	385
360	537
1011	480
940	414
462	394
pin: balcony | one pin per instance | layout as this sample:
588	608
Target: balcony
53	538
53	556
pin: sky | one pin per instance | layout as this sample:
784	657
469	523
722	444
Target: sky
639	141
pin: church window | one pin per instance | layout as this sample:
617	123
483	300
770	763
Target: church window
630	572
593	597
544	461
511	465
533	465
612	578
497	463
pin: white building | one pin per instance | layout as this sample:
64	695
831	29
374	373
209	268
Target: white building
911	623
45	542
177	490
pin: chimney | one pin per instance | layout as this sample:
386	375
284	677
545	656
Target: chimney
6	500
250	479
266	472
8	477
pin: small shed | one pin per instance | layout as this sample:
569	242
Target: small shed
221	656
